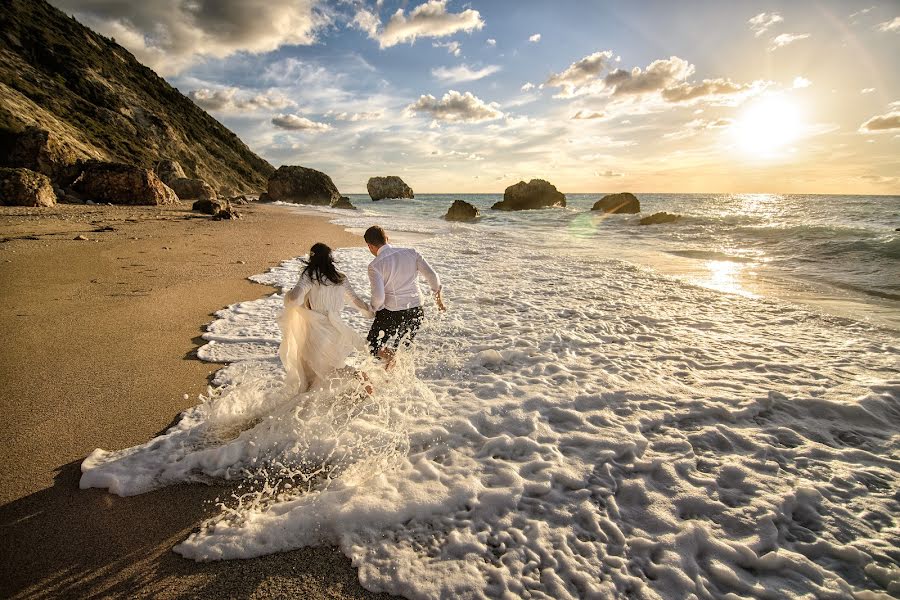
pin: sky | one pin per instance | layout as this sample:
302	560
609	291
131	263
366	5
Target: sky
468	97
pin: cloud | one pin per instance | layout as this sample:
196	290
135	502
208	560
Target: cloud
786	38
867	90
685	92
763	21
534	39
231	99
589	114
452	47
430	19
456	107
170	35
696	126
491	42
608	173
356	116
297	123
582	75
862	12
463	73
887	122
892	25
658	76
528	86
801	82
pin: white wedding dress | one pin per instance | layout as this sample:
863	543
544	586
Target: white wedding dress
315	340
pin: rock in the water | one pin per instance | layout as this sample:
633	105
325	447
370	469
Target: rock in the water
24	187
119	183
168	171
192	189
207	206
461	210
625	202
660	217
35	149
343	202
537	193
391	186
291	183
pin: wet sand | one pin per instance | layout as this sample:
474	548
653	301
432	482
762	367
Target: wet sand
97	349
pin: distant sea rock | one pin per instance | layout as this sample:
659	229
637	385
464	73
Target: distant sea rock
537	193
343	202
118	183
291	183
461	210
659	218
391	186
625	202
191	189
24	187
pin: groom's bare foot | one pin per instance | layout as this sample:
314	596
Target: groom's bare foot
387	355
367	385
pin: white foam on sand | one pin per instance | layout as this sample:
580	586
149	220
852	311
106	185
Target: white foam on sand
570	428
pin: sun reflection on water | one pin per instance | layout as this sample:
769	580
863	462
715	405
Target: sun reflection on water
724	276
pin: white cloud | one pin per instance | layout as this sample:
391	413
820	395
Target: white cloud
785	39
589	114
463	73
430	19
763	21
609	173
581	76
355	116
867	90
534	39
491	42
170	35
527	87
708	88
456	107
892	25
297	123
658	76
887	122
452	47
231	99
862	12
801	82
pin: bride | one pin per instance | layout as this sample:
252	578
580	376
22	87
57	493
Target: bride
315	340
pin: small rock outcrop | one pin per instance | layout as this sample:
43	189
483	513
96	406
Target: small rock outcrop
168	171
391	186
226	214
343	202
537	193
625	202
191	189
658	218
208	206
461	210
35	149
24	187
118	183
291	183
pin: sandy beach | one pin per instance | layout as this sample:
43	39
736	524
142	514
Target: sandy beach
98	350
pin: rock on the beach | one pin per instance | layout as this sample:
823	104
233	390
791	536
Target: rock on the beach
240	199
207	206
36	149
292	183
343	202
24	187
119	183
625	202
461	210
265	197
537	193
192	189
391	186
658	218
226	213
168	171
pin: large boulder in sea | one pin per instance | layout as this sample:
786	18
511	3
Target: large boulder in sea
625	202
192	189
118	183
391	186
343	202
36	149
537	193
461	210
292	183
659	218
24	187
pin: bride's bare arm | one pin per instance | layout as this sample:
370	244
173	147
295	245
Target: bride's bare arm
351	295
298	293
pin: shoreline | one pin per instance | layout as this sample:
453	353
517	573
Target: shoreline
100	351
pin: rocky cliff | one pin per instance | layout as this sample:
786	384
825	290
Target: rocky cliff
97	101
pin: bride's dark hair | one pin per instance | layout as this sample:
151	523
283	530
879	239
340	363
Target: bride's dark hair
320	265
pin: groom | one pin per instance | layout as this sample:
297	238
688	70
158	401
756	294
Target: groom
395	294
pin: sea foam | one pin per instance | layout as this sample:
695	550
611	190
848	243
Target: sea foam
568	429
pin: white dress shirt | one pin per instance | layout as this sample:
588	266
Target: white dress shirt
393	277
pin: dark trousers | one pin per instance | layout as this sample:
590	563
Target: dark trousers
391	327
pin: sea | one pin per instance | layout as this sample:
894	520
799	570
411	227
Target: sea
708	408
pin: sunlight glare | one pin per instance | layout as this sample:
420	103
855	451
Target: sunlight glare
769	125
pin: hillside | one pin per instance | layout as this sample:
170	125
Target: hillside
98	101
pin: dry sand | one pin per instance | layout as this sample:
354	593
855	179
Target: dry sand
98	350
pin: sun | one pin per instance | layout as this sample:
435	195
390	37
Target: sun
768	126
